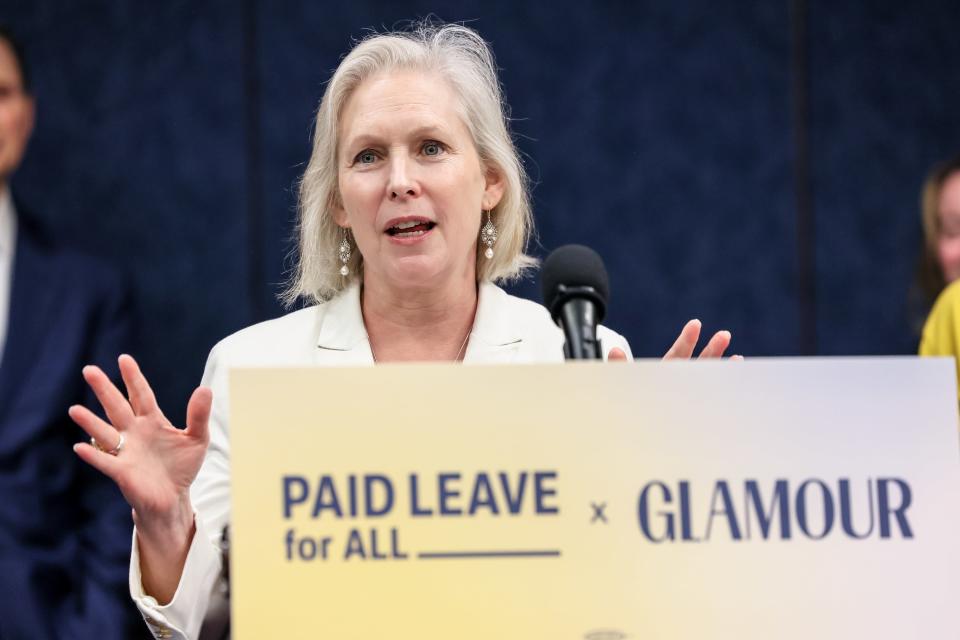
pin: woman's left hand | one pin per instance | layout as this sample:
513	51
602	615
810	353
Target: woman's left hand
685	344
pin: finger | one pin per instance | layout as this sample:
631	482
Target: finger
616	355
198	414
141	395
103	462
94	425
736	358
686	341
118	409
717	345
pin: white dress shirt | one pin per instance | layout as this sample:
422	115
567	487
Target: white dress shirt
8	240
506	329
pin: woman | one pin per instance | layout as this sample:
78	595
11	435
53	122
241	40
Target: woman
940	261
940	215
414	201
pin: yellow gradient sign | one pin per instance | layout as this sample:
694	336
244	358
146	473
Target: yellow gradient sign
772	498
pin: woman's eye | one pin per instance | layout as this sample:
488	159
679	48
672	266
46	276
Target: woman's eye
366	157
432	148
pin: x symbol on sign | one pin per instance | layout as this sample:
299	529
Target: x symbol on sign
598	513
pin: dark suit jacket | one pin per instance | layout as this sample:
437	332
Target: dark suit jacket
64	529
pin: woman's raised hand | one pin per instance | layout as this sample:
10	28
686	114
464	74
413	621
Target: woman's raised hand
686	342
158	462
154	467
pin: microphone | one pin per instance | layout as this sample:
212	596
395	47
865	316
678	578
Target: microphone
575	291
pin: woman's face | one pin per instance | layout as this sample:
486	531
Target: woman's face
411	183
948	245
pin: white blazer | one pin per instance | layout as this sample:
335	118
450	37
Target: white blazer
506	329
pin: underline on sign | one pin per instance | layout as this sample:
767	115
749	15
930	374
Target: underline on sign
449	555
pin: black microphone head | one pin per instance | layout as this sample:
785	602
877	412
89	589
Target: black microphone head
574	270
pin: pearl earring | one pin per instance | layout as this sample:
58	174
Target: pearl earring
488	236
345	253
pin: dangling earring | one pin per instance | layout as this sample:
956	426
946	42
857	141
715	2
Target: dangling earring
345	252
488	236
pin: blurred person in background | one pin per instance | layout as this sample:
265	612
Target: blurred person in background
940	261
940	215
64	533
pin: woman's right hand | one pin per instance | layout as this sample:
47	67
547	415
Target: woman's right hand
154	469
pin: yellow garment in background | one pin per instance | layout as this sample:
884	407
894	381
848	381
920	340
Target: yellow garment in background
941	332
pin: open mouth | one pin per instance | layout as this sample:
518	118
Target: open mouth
410	228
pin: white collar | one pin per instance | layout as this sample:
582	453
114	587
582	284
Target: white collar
341	323
342	328
8	222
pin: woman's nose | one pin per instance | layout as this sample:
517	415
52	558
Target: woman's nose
402	182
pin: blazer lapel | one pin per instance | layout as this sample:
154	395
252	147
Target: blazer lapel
32	297
496	337
342	337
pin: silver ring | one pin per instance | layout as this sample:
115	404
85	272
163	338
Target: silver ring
113	452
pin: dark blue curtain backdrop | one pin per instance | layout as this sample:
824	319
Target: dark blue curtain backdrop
665	135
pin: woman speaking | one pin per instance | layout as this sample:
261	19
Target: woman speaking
414	203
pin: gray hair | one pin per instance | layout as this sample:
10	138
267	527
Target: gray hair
465	60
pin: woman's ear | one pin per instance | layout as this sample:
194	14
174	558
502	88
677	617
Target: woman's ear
494	187
338	212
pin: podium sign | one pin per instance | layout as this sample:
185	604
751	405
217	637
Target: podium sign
787	498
